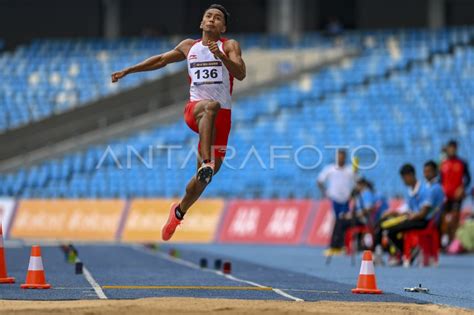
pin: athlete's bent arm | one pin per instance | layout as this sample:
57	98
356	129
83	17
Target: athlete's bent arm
156	62
232	58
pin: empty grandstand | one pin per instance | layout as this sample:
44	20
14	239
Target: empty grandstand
378	98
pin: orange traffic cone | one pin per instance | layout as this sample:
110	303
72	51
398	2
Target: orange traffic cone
3	265
35	278
366	283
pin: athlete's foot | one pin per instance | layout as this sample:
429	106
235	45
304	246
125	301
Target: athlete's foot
332	251
168	229
205	172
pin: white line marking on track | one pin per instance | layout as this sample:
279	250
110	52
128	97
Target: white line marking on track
287	295
94	284
230	277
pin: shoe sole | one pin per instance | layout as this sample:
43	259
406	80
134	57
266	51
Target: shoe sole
204	175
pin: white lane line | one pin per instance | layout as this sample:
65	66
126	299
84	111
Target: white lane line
289	296
230	277
94	284
240	280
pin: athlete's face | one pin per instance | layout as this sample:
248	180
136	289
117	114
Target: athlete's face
451	150
429	173
213	21
409	179
341	158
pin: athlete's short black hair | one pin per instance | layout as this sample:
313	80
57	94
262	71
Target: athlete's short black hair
221	8
407	169
431	164
452	143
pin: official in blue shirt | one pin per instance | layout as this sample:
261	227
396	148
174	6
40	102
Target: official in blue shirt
436	196
369	203
424	201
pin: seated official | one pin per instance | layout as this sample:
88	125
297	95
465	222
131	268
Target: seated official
423	203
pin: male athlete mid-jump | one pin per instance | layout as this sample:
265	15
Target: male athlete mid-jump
213	63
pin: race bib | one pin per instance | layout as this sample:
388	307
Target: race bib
208	72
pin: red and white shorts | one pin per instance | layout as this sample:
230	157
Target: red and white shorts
222	123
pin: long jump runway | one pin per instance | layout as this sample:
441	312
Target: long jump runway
133	271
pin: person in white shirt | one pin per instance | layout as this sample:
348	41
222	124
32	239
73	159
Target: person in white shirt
336	182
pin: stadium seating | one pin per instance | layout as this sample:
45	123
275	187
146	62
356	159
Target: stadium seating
406	94
47	77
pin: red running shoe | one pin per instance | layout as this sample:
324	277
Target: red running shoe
168	229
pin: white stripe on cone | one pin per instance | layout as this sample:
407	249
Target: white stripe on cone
367	268
1	241
36	263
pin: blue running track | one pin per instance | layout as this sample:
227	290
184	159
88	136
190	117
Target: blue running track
258	272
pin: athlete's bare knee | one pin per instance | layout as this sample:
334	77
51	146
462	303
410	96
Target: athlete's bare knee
213	107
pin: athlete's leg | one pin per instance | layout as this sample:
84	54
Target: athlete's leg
453	223
446	222
205	113
202	119
195	188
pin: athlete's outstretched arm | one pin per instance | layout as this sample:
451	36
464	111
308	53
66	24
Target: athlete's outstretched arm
156	62
232	58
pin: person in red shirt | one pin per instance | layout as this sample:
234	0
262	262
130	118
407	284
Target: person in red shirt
455	179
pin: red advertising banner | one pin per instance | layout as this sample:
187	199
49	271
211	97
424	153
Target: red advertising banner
265	221
322	225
